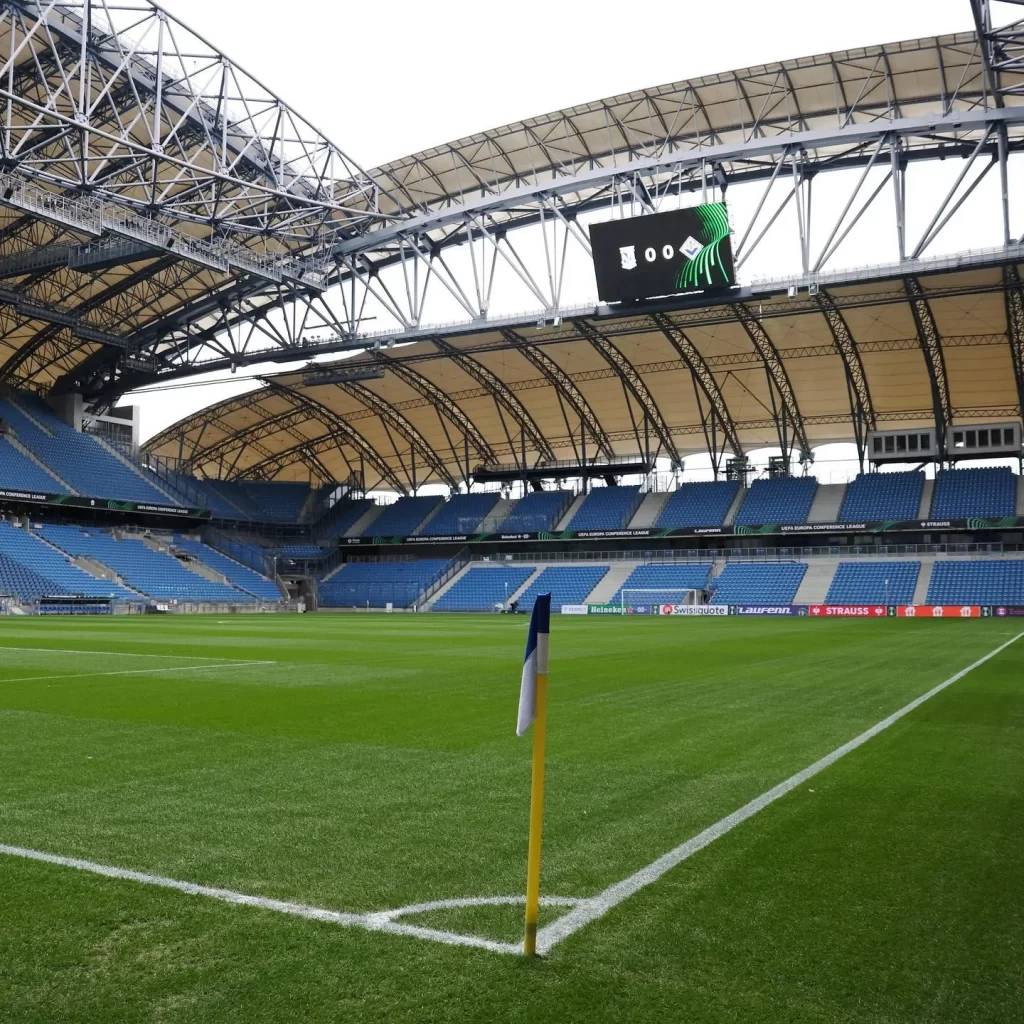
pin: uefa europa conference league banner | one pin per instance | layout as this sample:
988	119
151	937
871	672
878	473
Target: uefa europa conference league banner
78	501
881	526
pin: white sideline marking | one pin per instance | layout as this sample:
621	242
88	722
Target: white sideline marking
137	671
597	906
125	654
381	921
583	911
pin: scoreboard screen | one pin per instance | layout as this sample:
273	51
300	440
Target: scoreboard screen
663	254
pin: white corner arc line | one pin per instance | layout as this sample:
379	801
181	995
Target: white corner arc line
127	654
597	906
137	671
368	922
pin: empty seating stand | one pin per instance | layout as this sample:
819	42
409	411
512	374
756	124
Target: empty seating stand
874	583
19	472
461	514
78	459
777	501
567	584
772	583
963	493
277	501
990	582
238	575
481	587
879	496
402	518
22	548
606	508
343	516
156	573
377	584
699	504
537	512
666	577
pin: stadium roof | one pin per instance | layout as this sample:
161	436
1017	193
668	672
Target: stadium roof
159	208
779	371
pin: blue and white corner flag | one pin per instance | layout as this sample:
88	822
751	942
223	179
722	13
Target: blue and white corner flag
536	662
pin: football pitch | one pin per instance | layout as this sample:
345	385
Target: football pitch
324	818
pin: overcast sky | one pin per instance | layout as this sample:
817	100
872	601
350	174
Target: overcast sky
384	80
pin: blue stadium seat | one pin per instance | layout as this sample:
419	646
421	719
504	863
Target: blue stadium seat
962	493
874	583
238	575
25	549
462	513
699	504
156	573
772	583
667	577
19	472
277	501
358	584
537	512
878	496
995	581
606	508
343	516
482	587
78	459
402	518
777	501
566	584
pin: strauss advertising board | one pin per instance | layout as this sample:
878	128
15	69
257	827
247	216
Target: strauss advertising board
663	254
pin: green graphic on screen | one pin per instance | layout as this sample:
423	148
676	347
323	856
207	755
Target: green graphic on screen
705	269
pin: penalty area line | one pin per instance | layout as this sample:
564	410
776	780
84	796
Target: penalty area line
589	910
132	654
140	671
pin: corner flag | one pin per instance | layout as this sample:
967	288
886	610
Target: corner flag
533	709
535	663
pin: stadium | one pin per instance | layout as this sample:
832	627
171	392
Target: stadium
732	368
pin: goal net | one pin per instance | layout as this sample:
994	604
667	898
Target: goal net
653	598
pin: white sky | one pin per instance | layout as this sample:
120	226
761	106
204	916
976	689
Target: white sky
384	80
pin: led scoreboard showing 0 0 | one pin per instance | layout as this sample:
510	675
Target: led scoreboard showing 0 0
663	254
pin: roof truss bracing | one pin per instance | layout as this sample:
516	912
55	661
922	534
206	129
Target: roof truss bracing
400	423
861	408
825	349
931	348
443	402
504	397
634	383
783	398
566	389
339	433
1015	325
705	380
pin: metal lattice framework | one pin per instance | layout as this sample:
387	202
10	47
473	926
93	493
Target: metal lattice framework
163	213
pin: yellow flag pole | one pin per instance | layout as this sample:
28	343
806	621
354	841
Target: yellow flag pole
540	724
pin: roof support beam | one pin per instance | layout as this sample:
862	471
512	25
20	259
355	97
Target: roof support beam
430	391
339	432
1015	325
788	421
502	395
704	379
565	386
390	415
862	411
634	384
935	362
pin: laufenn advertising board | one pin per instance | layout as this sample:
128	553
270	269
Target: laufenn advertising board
663	254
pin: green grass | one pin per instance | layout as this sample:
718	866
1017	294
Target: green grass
375	765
